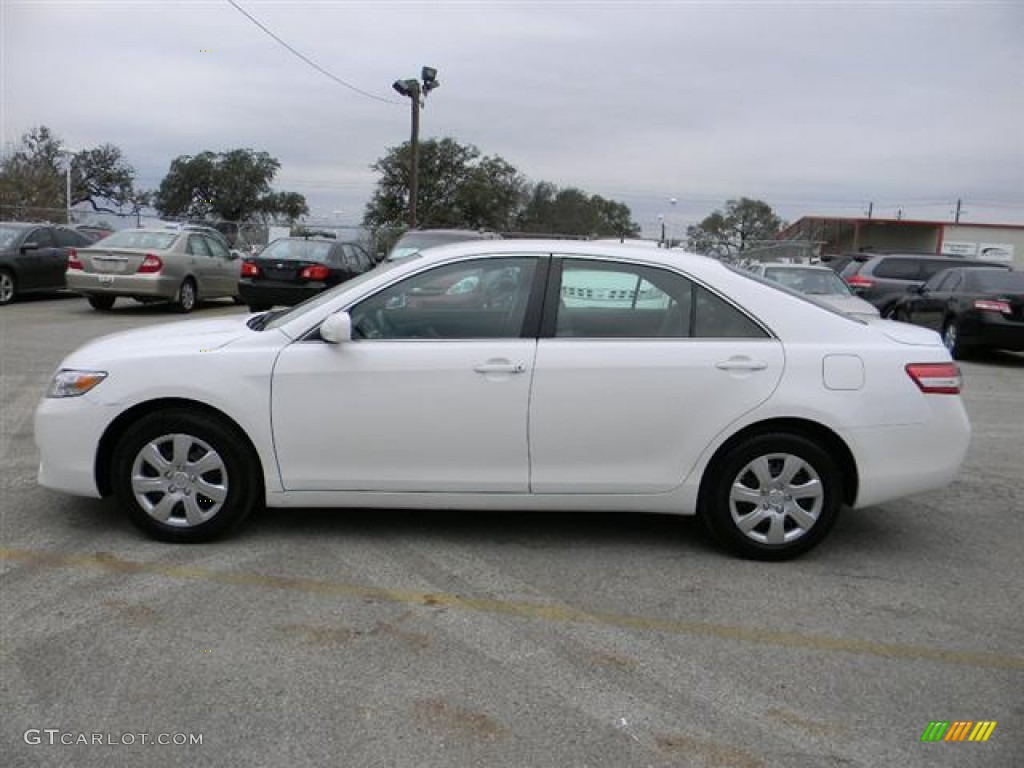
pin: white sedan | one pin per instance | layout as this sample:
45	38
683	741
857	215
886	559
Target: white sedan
515	375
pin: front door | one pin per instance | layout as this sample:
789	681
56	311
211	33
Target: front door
430	395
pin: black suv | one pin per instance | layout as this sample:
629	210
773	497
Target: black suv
882	278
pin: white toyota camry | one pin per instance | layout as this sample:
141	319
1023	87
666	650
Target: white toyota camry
515	375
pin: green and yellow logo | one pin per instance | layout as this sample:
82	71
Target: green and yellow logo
958	730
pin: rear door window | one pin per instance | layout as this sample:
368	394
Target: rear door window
197	246
41	237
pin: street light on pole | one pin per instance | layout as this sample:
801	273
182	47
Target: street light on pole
417	93
67	180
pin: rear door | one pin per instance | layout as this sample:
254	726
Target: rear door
929	308
638	369
224	272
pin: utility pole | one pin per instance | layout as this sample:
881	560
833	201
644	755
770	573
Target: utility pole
956	219
871	208
416	93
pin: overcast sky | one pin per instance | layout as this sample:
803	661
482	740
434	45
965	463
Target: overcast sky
816	108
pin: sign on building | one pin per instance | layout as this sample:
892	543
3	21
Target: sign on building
953	248
995	251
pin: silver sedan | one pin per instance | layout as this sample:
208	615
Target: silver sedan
154	265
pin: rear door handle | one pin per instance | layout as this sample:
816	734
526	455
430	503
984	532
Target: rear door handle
741	364
499	366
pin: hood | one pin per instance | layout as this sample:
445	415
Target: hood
186	335
906	333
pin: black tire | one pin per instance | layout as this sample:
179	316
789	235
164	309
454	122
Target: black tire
259	307
187	297
8	287
900	314
745	510
102	303
237	301
951	338
177	507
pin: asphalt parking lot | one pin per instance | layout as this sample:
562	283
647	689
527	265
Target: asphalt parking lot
387	638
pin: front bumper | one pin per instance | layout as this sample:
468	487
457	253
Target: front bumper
67	434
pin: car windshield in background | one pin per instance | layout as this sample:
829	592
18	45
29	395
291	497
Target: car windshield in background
817	282
793	292
298	250
412	243
131	238
995	280
8	236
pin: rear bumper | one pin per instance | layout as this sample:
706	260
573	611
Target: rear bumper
990	329
272	292
902	460
154	286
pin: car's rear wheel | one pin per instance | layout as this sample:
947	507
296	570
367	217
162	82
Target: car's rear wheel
184	477
951	338
101	302
773	496
187	297
8	287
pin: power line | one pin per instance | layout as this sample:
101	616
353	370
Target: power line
309	61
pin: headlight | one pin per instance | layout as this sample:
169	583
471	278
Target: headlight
68	383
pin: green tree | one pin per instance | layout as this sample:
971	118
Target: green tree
231	186
728	233
458	187
550	210
33	178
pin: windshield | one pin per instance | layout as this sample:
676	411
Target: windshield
816	282
279	317
298	250
8	236
134	238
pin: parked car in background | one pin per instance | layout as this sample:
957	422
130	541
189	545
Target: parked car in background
179	266
973	308
820	282
92	232
837	261
672	384
416	240
34	257
882	278
292	269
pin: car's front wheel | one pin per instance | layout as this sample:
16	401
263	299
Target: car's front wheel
184	477
8	287
773	496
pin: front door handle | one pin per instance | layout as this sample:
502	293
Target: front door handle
741	364
499	366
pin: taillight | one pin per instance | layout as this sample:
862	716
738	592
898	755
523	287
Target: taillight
249	269
936	378
150	264
73	261
319	272
993	305
856	281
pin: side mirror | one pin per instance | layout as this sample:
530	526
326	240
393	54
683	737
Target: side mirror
915	289
233	254
337	328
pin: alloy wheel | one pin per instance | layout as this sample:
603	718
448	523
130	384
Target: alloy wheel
179	480
776	499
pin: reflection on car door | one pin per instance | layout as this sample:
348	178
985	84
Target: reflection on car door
638	372
454	384
929	308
